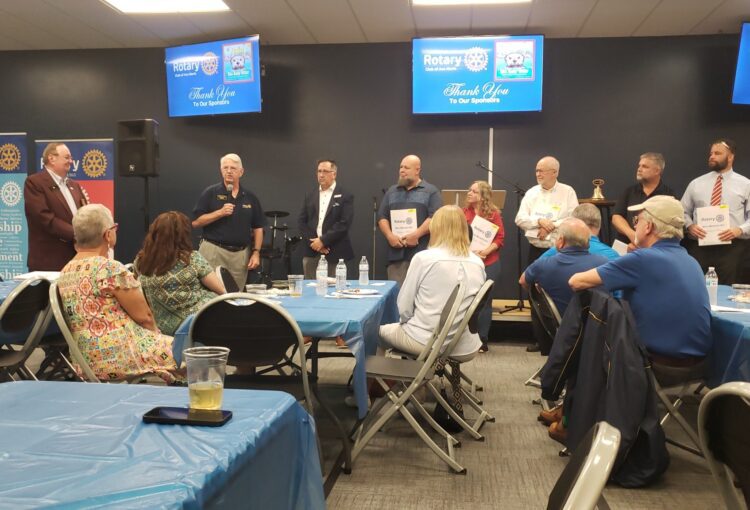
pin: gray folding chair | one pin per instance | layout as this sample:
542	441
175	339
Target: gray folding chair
580	484
469	320
722	425
545	310
227	279
411	375
25	311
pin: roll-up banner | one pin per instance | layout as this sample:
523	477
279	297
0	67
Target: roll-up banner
14	241
93	167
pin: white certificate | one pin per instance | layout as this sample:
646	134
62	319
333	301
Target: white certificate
713	219
484	232
620	247
403	221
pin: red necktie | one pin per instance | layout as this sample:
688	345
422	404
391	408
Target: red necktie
716	193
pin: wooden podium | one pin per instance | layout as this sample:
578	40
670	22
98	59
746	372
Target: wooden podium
458	197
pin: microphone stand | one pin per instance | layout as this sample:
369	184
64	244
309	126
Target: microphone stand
520	192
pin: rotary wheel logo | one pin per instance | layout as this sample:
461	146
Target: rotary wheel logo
94	163
10	157
210	63
476	59
10	194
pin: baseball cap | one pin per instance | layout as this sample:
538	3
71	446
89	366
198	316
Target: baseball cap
664	208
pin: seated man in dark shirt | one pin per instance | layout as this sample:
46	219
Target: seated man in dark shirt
573	256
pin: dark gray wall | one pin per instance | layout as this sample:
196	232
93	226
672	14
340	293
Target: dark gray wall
605	102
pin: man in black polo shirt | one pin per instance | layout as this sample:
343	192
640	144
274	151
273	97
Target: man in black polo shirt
232	220
650	167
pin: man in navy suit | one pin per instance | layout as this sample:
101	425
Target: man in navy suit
51	201
324	221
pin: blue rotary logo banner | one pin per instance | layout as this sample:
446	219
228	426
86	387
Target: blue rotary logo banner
14	242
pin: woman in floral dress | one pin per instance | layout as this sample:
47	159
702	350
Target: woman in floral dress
107	312
176	279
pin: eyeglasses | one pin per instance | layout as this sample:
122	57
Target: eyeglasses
113	227
325	171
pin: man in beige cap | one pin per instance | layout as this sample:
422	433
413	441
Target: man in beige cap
663	284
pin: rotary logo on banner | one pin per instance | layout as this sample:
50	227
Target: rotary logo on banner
13	233
92	167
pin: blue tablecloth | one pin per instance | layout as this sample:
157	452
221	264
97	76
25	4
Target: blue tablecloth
356	320
729	359
79	445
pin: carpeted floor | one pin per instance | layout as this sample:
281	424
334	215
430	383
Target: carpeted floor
514	468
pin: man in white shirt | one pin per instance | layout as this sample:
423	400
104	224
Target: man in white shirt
544	207
324	221
51	200
729	191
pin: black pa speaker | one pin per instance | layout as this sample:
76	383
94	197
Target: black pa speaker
138	148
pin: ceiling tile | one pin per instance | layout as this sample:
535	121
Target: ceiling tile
499	19
274	20
559	19
330	21
616	18
384	20
451	19
726	19
676	17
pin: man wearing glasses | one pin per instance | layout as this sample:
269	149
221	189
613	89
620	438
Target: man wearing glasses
544	207
51	200
232	220
663	284
324	221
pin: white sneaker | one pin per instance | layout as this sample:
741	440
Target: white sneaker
351	401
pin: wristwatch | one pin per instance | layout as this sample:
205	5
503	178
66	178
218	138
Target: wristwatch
255	249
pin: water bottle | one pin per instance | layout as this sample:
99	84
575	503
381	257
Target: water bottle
364	272
321	275
712	285
340	276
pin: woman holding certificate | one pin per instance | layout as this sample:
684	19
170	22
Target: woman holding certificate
488	234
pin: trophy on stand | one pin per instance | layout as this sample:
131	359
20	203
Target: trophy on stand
598	194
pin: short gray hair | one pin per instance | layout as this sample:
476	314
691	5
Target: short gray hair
233	157
661	229
89	224
589	214
575	233
657	158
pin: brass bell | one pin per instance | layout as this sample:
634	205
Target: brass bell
598	194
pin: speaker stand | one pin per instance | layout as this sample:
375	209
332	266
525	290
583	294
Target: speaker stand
146	210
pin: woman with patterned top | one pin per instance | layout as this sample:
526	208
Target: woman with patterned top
108	315
176	279
479	204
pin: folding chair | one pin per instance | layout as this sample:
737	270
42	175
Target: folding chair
259	333
722	425
545	310
24	311
470	319
75	353
580	484
227	279
412	374
663	376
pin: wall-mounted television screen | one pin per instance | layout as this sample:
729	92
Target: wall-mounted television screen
213	78
477	74
741	93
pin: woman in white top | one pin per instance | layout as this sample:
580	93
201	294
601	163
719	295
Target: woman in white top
432	276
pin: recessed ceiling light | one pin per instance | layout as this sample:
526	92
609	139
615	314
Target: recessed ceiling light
167	6
467	2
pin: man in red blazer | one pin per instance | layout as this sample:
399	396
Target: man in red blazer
51	200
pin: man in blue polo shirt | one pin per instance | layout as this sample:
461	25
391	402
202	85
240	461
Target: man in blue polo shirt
404	216
232	221
663	284
573	256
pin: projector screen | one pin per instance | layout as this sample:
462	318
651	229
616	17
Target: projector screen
741	93
477	74
213	78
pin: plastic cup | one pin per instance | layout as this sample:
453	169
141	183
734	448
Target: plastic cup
206	367
295	284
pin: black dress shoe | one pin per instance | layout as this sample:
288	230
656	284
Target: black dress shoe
532	348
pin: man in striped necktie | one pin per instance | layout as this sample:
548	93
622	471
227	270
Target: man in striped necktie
730	191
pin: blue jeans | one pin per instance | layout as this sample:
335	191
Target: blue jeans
485	316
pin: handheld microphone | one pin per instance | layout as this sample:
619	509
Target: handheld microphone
230	198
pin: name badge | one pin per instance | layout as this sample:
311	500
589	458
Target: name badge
247	206
221	197
337	196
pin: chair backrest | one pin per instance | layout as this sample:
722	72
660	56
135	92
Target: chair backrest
61	318
545	309
257	331
227	279
580	484
26	310
722	426
470	318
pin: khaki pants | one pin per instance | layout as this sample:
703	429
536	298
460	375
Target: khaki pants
234	261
